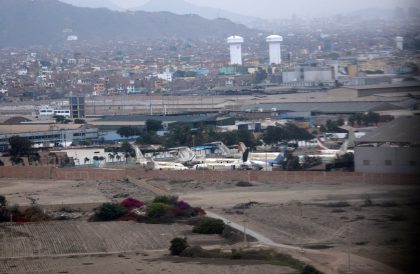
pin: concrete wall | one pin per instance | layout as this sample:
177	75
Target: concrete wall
90	174
404	160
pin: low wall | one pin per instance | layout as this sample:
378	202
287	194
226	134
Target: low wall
92	174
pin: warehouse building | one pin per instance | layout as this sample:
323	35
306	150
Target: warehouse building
392	148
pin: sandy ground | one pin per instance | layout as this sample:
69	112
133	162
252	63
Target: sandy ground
75	194
376	224
80	237
145	262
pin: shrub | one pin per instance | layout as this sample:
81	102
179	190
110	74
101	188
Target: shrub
236	254
367	201
308	269
178	245
183	209
2	201
338	204
209	226
131	203
109	212
34	214
158	210
169	200
244	184
182	205
16	160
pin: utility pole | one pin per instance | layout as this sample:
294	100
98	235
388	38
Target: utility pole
266	162
348	250
245	241
301	226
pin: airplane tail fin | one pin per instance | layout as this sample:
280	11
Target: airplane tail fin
320	143
351	138
241	147
279	159
343	148
139	155
245	155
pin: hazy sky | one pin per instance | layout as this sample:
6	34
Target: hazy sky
285	8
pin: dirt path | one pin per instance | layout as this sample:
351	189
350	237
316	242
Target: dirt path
327	261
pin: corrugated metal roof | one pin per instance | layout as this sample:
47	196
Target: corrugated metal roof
400	130
168	118
324	107
29	128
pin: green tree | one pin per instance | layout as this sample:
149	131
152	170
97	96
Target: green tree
158	210
179	135
373	118
169	200
228	138
149	138
20	146
127	149
178	245
259	76
272	135
292	132
61	119
323	128
247	138
109	212
128	131
208	225
153	125
331	126
358	117
352	120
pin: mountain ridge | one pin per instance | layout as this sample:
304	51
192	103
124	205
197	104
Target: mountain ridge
41	22
184	7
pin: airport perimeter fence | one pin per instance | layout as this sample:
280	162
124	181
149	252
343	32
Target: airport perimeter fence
94	174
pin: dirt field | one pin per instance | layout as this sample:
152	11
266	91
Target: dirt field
145	262
376	224
76	194
81	237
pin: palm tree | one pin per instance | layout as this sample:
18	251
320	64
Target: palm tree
111	157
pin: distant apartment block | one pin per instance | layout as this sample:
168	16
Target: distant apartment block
77	107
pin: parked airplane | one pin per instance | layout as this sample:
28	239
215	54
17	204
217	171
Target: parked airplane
338	152
176	154
218	163
215	149
165	166
149	163
261	156
262	164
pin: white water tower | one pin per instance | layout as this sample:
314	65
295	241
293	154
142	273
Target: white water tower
235	43
274	43
400	42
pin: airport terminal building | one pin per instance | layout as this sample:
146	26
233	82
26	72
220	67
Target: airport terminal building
48	135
